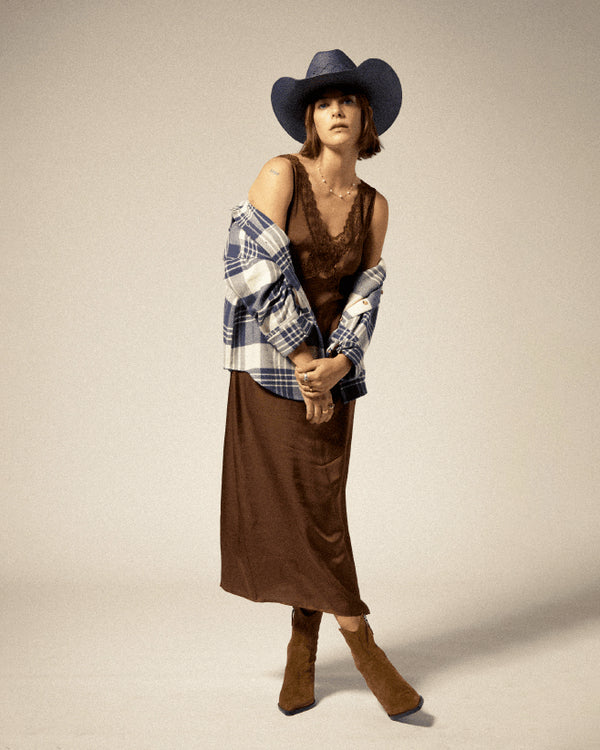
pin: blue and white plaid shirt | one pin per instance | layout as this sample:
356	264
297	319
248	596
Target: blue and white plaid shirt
267	313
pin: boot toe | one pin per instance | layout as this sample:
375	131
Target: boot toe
294	711
404	714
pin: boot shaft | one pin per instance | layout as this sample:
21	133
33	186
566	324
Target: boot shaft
305	634
396	696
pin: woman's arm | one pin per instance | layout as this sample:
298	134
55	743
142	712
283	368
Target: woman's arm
272	191
325	373
376	235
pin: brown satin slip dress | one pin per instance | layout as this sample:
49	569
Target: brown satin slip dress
284	528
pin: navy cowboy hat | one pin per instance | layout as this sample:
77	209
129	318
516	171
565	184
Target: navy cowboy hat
334	69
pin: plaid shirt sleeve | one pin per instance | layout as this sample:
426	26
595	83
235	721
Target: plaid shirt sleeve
258	281
355	329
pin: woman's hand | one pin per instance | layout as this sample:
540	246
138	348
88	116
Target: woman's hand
320	375
319	407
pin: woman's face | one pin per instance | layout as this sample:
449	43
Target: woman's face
337	119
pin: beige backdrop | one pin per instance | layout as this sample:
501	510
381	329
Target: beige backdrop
128	132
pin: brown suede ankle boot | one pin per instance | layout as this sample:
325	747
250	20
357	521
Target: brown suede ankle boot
393	692
298	690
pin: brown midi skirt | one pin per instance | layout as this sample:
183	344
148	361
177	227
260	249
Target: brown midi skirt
284	528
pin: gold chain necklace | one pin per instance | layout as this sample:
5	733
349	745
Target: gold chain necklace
337	195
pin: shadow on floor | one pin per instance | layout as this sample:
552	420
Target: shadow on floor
434	654
521	625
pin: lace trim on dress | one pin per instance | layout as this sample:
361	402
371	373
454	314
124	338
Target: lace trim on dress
331	248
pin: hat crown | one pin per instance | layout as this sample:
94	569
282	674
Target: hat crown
330	61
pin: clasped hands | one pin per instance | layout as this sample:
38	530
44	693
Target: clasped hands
316	379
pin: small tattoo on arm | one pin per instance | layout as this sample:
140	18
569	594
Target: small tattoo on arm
274	171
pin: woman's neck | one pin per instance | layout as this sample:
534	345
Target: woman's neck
339	168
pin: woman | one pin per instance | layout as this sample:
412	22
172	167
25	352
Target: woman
304	273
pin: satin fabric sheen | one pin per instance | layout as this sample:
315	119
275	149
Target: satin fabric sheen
284	527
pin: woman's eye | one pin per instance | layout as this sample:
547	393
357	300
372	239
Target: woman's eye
322	105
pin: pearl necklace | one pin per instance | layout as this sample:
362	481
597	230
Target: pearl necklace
337	195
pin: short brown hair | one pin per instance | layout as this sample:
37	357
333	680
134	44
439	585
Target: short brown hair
368	143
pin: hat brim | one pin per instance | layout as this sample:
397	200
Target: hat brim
374	78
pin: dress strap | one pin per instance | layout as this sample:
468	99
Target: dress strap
294	162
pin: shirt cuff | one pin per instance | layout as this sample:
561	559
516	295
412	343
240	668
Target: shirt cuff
350	347
287	337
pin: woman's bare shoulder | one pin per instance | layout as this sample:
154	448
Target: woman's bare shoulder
273	189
